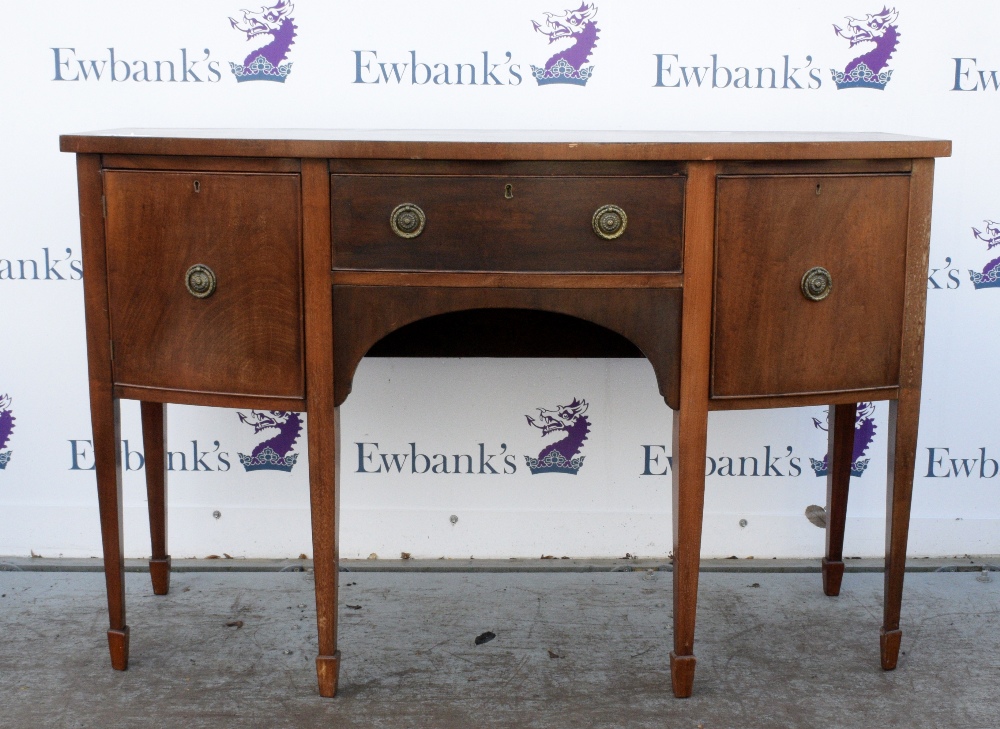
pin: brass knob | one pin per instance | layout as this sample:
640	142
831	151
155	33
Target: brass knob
200	281
407	220
609	221
816	283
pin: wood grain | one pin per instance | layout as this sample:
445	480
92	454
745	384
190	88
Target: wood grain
309	284
449	144
649	318
769	339
690	426
105	414
495	280
840	453
546	225
154	447
323	427
244	338
904	413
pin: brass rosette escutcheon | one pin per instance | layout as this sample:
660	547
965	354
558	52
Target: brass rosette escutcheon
609	222
200	281
816	283
407	220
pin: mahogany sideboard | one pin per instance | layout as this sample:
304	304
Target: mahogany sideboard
242	268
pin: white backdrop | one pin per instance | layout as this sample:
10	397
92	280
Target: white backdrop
77	66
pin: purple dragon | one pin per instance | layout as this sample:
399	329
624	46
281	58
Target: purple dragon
869	69
265	64
273	454
864	434
560	457
990	276
6	428
566	66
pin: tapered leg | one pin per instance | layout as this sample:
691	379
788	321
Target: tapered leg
690	431
838	478
104	410
324	417
105	416
325	500
903	417
154	444
691	418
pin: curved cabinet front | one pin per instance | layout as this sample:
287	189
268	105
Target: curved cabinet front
204	281
809	283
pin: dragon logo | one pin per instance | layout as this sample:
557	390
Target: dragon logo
6	429
990	276
276	25
561	456
864	434
869	70
576	33
275	453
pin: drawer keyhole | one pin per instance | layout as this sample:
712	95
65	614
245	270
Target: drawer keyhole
819	189
197	186
508	191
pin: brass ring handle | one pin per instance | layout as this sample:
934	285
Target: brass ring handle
816	283
609	221
407	220
200	281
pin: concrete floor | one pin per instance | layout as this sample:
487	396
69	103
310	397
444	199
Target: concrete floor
584	649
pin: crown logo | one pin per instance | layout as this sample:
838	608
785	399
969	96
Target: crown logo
260	69
6	428
578	29
864	435
989	277
268	460
265	63
861	77
554	462
870	69
275	453
562	73
561	456
857	467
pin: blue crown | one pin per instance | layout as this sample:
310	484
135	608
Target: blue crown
554	462
861	77
562	73
268	460
857	468
260	69
4	459
988	280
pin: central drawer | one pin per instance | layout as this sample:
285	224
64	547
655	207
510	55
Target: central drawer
518	222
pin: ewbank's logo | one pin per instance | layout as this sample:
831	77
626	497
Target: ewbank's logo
864	434
576	33
274	454
6	429
869	70
276	25
561	456
989	277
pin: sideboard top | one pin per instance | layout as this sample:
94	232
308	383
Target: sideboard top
505	145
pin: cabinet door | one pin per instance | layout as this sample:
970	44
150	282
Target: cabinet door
243	338
769	338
